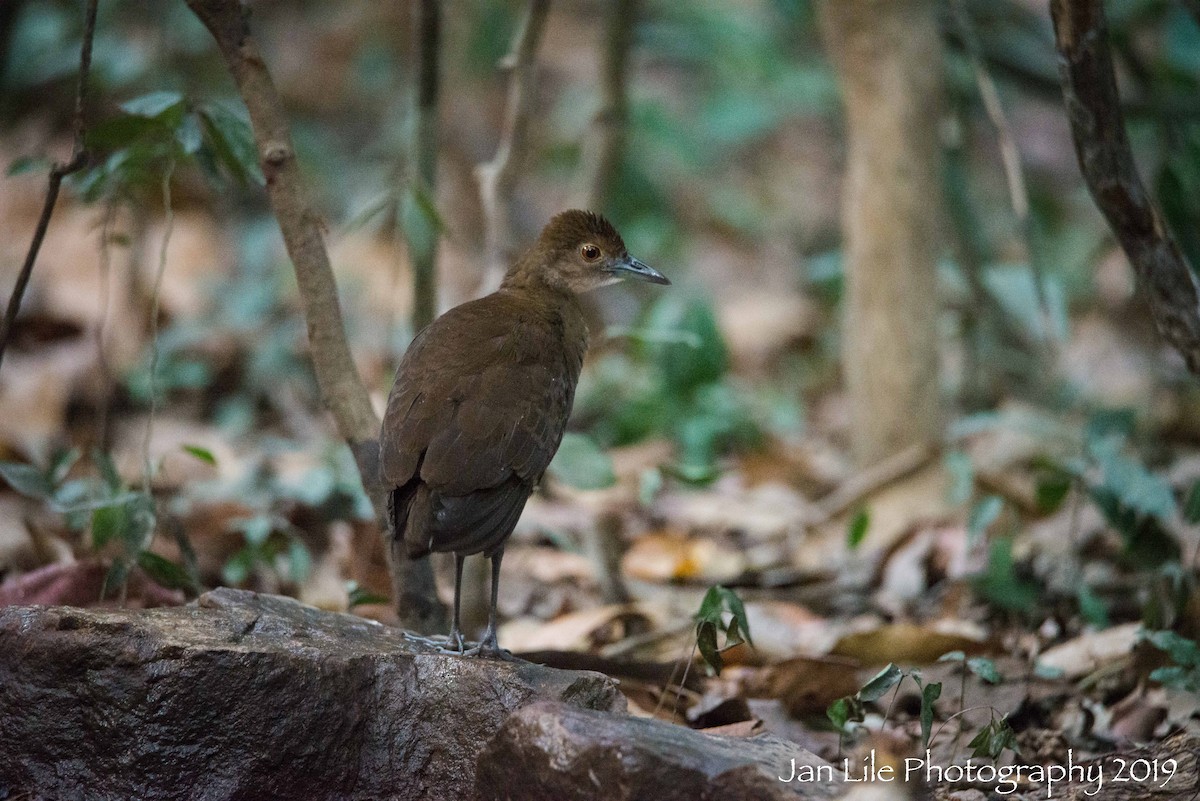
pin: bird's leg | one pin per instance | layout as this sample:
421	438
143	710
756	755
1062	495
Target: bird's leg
488	645
456	638
453	644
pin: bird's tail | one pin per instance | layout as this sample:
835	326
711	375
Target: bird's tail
409	508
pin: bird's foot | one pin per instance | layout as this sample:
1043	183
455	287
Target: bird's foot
490	649
451	645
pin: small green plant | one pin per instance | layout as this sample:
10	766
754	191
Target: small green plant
721	614
1185	673
120	518
851	709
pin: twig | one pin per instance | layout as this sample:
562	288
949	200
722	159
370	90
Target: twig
875	477
602	159
1010	155
498	176
342	389
155	294
423	249
1106	161
59	171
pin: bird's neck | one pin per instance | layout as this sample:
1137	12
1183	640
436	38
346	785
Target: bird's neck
532	276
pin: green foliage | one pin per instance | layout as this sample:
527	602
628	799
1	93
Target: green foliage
711	623
856	532
993	739
672	383
158	132
983	514
852	708
1000	583
360	596
581	463
1185	673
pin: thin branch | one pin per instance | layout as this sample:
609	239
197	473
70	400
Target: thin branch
603	159
1010	157
498	176
342	389
423	247
1106	161
57	173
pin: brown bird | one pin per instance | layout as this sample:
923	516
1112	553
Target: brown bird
482	397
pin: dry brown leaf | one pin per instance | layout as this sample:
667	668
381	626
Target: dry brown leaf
782	630
805	685
759	326
1092	650
579	631
907	643
670	556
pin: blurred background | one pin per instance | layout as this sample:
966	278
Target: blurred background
1019	471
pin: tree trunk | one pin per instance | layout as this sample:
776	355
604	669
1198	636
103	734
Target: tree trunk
887	56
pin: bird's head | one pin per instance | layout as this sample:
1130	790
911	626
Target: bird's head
580	251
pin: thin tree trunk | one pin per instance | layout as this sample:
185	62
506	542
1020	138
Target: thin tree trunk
342	389
420	230
888	58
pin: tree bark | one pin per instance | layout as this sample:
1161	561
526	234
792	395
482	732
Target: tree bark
423	243
342	388
887	54
1106	160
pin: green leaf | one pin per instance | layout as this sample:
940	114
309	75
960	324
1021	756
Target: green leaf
107	523
839	712
154	104
360	596
857	530
984	669
28	164
27	480
1182	651
299	561
232	142
1052	489
1191	506
992	739
649	485
237	569
581	463
883	681
706	641
108	471
929	694
116	576
962	476
164	571
983	514
255	529
999	583
203	454
1092	608
1135	486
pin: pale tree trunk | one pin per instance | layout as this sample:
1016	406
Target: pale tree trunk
887	56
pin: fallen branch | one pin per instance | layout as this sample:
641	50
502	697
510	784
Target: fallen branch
342	389
874	478
498	176
59	171
1106	161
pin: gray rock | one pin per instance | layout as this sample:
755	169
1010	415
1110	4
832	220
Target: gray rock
245	696
581	755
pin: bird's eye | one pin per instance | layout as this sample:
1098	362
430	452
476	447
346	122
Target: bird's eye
589	252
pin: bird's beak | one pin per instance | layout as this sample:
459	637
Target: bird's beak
632	268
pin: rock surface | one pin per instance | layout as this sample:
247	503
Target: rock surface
582	755
245	696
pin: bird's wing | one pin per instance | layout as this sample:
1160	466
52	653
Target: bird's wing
472	410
